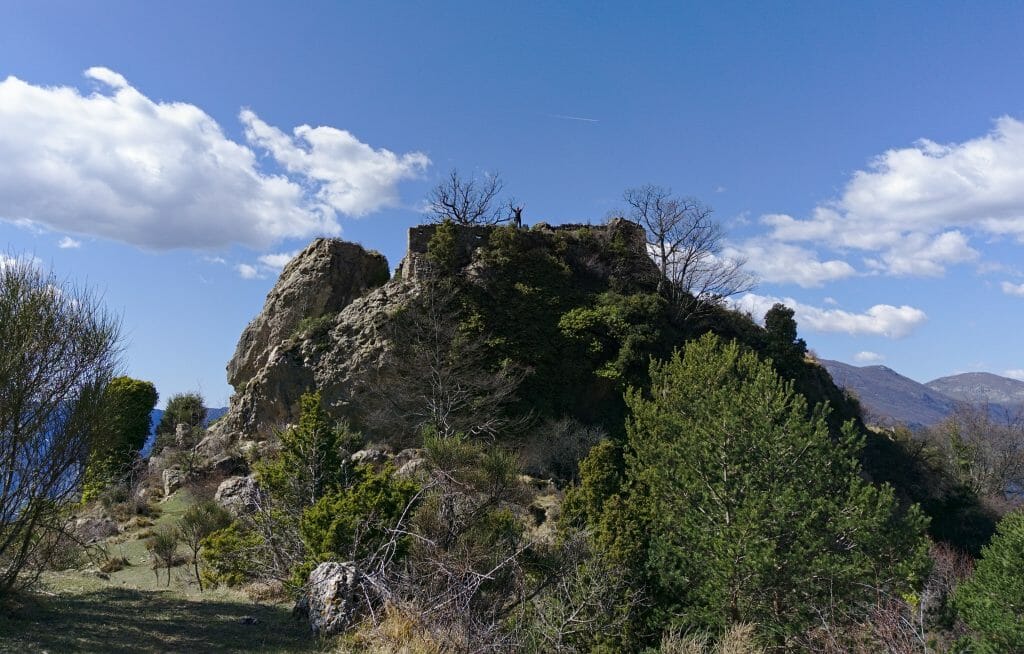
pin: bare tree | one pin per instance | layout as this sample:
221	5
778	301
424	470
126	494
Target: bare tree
58	351
467	201
686	243
984	448
435	376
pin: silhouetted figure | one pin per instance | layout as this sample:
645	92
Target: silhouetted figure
517	217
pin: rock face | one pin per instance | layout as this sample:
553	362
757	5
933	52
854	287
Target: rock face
332	599
320	281
278	353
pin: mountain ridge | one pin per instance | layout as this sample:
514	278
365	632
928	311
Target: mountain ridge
889	398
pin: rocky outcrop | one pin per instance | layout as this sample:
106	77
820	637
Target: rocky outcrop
319	282
324	324
329	359
281	354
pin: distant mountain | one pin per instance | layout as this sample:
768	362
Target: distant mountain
981	388
888	397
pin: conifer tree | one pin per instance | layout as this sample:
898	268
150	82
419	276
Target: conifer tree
753	513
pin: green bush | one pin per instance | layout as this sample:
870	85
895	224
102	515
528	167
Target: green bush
991	602
351	523
230	556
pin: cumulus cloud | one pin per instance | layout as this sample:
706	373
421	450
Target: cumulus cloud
68	243
868	357
247	271
1013	289
1015	373
878	320
277	261
353	178
913	208
774	261
163	175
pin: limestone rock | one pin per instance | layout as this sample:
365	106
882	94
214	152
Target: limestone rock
173	478
237	494
321	280
369	455
332	599
412	468
92	530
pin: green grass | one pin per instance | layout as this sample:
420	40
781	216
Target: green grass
111	619
132	611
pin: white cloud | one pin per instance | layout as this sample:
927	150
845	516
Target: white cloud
218	260
915	206
878	320
1016	373
782	263
353	178
1013	289
163	175
246	271
868	357
68	243
277	261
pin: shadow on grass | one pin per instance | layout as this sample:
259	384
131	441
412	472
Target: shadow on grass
124	620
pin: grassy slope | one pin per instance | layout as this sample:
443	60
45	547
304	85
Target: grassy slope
133	612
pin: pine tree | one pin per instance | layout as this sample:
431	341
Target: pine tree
753	513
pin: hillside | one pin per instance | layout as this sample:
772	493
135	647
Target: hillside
888	397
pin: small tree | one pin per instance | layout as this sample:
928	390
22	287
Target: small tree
983	447
199	521
182	408
467	201
686	243
163	545
434	375
58	350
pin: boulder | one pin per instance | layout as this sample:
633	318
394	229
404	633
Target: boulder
369	455
92	530
173	478
412	468
237	494
333	598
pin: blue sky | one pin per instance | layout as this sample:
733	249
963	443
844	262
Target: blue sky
866	158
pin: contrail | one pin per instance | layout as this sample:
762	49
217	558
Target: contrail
579	118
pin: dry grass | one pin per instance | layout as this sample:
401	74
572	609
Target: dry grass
394	633
738	639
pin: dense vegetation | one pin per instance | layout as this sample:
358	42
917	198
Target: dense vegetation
566	450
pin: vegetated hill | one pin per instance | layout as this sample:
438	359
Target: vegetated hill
981	388
888	397
576	308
